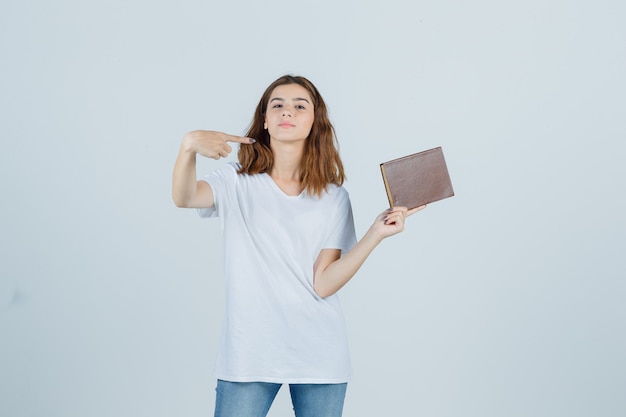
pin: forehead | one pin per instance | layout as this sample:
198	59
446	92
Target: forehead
290	92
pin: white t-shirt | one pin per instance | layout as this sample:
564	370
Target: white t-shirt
276	328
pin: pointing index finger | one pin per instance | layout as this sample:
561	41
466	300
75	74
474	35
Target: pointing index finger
240	139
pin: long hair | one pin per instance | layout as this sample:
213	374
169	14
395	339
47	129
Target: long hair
320	164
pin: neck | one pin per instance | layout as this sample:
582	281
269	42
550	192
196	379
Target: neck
287	158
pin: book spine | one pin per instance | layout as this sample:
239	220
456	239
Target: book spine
389	196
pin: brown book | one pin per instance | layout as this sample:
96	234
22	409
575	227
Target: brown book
417	179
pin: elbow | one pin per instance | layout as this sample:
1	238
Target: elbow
323	292
179	201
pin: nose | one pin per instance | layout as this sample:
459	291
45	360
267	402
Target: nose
286	112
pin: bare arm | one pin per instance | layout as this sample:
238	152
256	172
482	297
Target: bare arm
187	191
331	272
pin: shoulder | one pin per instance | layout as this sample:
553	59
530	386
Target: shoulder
223	177
337	191
227	170
336	195
231	167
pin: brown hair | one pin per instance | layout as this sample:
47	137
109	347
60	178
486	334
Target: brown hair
320	165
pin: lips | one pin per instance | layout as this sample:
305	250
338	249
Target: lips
286	124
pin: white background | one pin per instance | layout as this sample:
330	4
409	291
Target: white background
505	300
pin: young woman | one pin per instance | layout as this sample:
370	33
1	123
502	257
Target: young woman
289	246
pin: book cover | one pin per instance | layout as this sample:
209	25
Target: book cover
417	179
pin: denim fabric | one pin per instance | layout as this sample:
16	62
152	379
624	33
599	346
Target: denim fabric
253	399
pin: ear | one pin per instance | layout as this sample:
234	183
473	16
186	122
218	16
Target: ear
265	125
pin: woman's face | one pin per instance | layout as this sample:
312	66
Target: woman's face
289	115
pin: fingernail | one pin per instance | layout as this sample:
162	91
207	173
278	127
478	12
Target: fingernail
252	140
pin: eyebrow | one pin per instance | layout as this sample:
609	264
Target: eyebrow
295	99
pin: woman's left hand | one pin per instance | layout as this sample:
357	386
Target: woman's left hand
391	221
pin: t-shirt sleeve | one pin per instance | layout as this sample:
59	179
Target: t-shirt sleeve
341	232
222	182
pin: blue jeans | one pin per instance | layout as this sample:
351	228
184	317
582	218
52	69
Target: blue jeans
253	399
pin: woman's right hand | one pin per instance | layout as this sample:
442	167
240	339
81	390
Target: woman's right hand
211	144
187	191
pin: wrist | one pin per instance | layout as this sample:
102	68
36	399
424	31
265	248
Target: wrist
373	236
188	145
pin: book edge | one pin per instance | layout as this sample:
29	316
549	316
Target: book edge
387	190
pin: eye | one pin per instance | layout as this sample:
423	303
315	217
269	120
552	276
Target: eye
300	107
277	106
